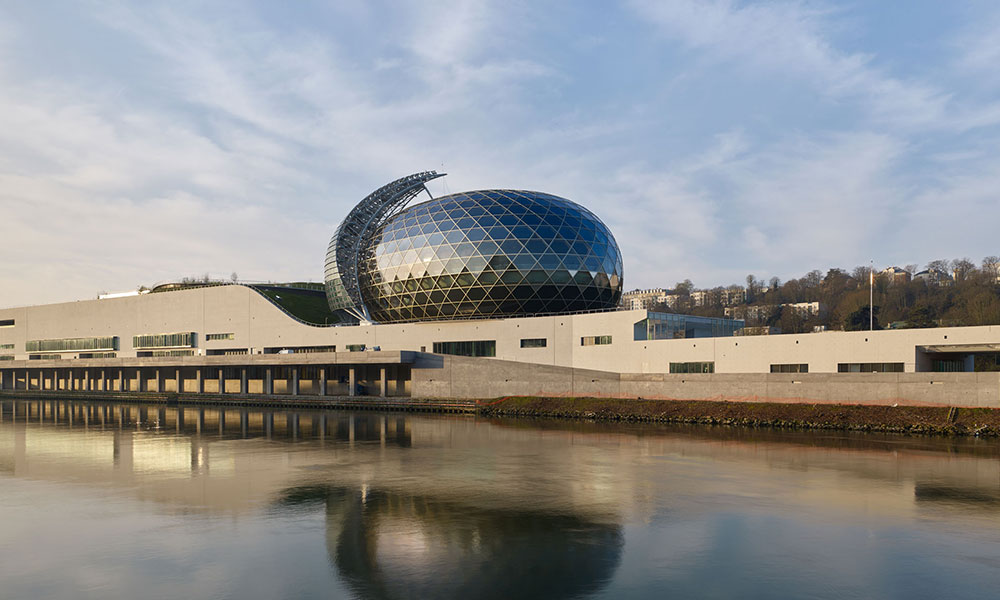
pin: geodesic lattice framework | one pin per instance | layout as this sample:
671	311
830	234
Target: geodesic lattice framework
490	253
341	268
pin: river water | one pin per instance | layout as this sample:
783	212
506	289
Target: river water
106	500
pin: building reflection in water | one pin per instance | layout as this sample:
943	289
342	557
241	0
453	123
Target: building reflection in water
452	506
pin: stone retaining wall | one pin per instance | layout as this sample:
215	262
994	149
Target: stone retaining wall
461	377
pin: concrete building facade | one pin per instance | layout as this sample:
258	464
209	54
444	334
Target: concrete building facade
235	320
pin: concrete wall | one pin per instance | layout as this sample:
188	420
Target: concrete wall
257	324
460	377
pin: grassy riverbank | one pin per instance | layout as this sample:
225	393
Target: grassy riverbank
897	419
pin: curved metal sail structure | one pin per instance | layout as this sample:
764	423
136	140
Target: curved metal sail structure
343	254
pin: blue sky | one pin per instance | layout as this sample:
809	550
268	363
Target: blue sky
149	141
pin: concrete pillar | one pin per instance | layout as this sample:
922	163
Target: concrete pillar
383	385
142	379
350	381
222	380
295	381
86	380
121	379
199	374
159	380
179	379
268	381
322	381
104	380
244	387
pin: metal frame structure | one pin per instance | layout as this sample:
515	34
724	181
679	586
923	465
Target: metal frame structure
343	254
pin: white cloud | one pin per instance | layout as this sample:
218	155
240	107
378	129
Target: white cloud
791	39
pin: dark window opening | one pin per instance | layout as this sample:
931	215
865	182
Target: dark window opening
790	368
470	348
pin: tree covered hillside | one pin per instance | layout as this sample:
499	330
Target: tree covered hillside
947	293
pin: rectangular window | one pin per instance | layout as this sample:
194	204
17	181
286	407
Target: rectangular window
870	367
72	344
44	356
183	339
956	365
355	347
595	340
692	367
227	352
790	368
534	342
6	357
470	348
149	353
211	337
299	349
6	346
6	322
98	354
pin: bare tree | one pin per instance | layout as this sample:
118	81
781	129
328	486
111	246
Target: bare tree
991	265
938	265
234	277
962	268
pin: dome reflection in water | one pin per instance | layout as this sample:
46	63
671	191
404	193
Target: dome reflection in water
391	545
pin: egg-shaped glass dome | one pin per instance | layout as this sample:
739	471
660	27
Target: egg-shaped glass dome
490	253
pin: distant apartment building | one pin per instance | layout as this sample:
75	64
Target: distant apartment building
761	312
726	296
933	277
758	331
645	299
896	275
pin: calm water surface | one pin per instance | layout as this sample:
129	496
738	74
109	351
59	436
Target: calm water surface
104	500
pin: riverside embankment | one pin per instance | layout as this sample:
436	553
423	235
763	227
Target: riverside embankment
935	420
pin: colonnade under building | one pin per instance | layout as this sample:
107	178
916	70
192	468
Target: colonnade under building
292	380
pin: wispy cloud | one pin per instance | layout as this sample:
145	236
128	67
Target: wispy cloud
715	138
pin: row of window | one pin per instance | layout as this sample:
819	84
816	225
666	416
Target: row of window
472	348
870	367
6	346
299	349
595	340
6	357
692	367
6	322
72	344
97	355
183	339
790	368
211	337
534	343
227	352
149	353
356	347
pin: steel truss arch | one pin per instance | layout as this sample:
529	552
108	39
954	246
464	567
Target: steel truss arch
343	254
